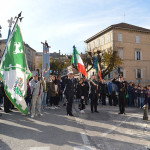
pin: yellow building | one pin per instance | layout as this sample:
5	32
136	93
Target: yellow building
133	46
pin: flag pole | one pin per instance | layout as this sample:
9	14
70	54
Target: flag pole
17	18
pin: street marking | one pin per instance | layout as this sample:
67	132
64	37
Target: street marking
85	139
39	148
84	148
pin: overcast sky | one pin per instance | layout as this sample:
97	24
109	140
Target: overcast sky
64	23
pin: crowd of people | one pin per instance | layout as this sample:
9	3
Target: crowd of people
47	93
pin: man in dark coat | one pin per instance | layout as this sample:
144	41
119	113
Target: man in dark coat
69	92
86	90
121	89
94	94
103	91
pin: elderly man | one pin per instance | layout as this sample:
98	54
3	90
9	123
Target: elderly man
36	90
69	92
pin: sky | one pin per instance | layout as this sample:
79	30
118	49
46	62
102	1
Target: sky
64	23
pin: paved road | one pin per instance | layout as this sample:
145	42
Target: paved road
56	131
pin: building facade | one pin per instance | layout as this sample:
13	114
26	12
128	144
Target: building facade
38	61
30	54
132	44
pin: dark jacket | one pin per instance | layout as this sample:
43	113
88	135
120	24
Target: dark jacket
135	93
94	89
82	89
121	86
52	91
69	88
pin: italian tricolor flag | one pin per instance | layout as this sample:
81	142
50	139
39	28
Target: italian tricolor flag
97	67
76	59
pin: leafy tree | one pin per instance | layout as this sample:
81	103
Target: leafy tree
58	65
108	61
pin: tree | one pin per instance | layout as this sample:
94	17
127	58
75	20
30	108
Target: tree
108	61
58	65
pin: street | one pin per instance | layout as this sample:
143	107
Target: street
106	130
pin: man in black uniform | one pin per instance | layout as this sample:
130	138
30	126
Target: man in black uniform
103	91
69	92
86	90
94	94
121	90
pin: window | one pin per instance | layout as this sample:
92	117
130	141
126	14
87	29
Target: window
122	71
138	55
102	41
120	53
89	47
108	38
137	39
98	42
119	37
93	45
139	73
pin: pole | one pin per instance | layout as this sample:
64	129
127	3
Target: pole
10	24
145	115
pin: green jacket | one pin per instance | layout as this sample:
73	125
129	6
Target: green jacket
52	92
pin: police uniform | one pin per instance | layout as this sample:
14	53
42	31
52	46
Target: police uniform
94	95
121	90
69	92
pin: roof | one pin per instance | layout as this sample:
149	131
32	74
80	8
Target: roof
124	26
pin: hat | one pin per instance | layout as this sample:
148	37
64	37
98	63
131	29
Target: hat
34	74
70	72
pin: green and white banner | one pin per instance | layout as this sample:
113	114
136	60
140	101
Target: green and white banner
14	70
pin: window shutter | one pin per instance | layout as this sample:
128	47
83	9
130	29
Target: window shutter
141	55
141	73
135	55
124	73
136	73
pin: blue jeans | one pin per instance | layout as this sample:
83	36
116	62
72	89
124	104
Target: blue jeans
130	100
43	98
141	102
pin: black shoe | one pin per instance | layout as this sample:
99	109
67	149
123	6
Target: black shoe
96	111
120	113
70	114
1	108
7	111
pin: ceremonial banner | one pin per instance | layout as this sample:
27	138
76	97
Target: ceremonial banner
14	70
97	67
77	60
46	60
